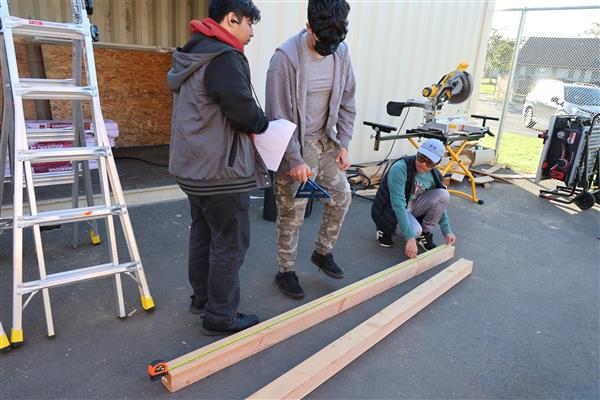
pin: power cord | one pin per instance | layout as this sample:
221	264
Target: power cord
142	160
352	173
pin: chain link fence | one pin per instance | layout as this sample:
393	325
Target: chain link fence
540	62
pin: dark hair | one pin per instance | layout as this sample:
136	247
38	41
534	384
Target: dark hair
328	19
218	9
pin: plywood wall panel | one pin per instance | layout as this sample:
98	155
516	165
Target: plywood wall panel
21	51
133	92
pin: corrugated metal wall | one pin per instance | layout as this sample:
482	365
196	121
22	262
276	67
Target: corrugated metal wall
397	47
162	23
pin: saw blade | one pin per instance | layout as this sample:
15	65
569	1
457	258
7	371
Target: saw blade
466	80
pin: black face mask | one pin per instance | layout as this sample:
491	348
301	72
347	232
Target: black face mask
326	49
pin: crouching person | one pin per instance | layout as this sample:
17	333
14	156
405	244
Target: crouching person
412	200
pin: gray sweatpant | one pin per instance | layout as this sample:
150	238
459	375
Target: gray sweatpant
429	205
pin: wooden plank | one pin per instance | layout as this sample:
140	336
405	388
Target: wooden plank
481	180
207	360
457	177
493	168
497	177
458	174
310	374
367	192
513	176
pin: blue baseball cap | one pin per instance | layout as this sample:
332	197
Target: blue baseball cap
432	149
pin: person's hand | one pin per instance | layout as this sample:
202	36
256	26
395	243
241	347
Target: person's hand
300	173
411	248
450	238
342	159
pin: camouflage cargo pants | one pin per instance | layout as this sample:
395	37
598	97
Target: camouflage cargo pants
320	156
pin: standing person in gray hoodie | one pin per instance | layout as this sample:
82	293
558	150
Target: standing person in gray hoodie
213	158
311	83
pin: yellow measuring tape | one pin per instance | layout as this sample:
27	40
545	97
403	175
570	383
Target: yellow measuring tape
303	309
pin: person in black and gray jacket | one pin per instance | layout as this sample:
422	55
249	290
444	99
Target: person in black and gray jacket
213	158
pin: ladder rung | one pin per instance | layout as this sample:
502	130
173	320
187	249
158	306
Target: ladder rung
5	223
51	135
77	275
28	27
53	178
64	154
59	83
70	215
50	178
55	92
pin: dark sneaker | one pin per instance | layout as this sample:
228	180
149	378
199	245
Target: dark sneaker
426	241
197	305
241	322
384	240
288	283
327	265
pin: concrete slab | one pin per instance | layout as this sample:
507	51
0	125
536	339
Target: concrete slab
524	325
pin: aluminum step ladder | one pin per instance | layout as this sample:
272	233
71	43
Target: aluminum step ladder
16	137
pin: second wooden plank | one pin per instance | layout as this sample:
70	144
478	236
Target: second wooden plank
308	375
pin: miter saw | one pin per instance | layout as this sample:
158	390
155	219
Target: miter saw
454	87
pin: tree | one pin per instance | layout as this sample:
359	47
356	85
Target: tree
594	31
499	54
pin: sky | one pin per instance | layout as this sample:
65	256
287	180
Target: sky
563	23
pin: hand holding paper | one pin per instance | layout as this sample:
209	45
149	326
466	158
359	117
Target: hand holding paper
271	144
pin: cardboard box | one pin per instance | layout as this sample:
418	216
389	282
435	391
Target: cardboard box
483	156
64	166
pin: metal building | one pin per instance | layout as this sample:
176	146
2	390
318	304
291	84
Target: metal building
397	47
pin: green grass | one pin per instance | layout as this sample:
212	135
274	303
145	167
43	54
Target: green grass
518	152
486	88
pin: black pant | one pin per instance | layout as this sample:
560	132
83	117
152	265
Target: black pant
219	239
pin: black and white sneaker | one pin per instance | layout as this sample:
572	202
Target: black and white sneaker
383	239
425	241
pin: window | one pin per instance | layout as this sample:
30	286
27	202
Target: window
582	95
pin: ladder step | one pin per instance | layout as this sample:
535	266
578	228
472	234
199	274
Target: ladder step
53	178
58	83
50	178
70	215
54	91
64	154
30	27
51	135
78	275
5	223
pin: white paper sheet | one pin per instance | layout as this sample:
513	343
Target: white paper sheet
271	144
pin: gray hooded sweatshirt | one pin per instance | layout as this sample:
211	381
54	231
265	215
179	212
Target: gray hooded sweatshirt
213	113
286	97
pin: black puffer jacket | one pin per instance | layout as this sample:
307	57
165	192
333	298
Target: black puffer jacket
382	212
